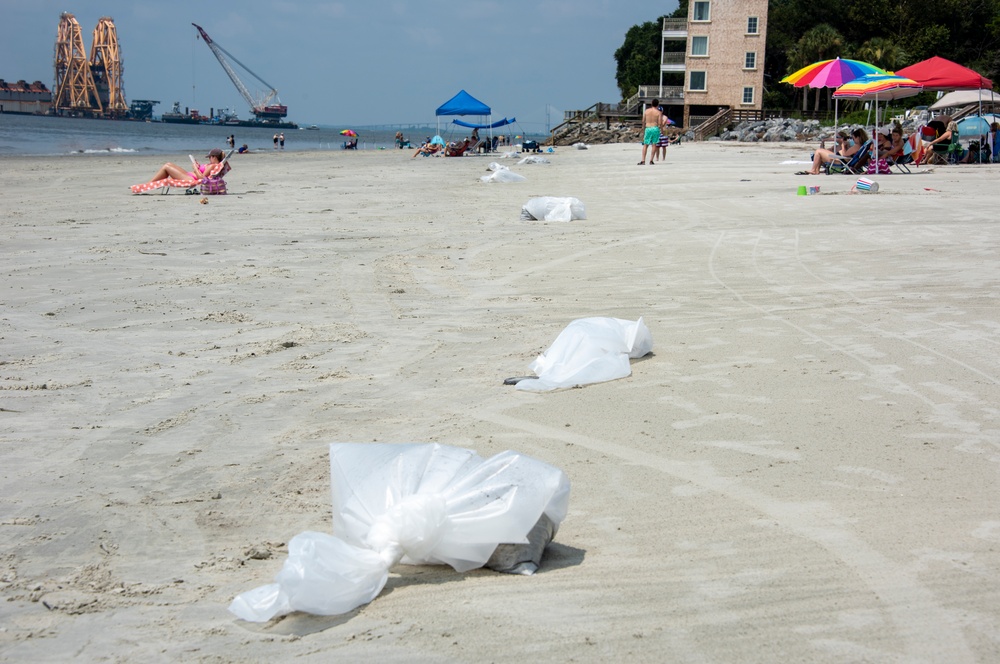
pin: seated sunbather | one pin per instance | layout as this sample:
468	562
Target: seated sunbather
883	144
458	149
941	144
844	149
891	146
428	149
171	170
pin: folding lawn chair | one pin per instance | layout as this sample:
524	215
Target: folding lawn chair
210	182
853	165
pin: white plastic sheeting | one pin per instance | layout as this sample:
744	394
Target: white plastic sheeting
501	173
413	503
553	208
589	350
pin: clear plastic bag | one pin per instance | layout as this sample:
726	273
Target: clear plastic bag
589	350
552	208
416	504
501	173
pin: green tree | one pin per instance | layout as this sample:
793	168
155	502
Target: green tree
638	59
881	52
822	42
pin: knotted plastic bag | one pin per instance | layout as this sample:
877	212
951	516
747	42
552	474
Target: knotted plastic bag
589	350
501	173
553	208
416	504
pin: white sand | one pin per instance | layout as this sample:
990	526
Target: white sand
805	470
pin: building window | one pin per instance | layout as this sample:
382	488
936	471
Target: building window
747	95
699	46
752	26
750	60
702	11
697	81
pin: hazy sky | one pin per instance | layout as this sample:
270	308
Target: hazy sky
350	62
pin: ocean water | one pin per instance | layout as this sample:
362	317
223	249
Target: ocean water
27	135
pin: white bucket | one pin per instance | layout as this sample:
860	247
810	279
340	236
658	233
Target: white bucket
867	186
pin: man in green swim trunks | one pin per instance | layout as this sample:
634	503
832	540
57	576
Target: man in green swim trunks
652	119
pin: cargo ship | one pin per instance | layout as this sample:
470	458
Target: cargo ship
224	117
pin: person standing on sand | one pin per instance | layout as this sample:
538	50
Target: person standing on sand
281	140
275	141
660	149
652	119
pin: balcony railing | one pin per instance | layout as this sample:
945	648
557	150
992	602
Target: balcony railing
673	58
675	24
596	111
662	92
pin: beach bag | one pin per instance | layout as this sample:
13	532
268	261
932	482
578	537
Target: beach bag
211	186
880	167
215	184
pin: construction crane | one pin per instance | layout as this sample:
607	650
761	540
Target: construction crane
91	87
261	108
75	90
106	67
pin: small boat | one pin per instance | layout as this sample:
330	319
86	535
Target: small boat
311	127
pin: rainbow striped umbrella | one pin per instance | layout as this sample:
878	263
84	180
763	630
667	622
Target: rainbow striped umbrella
879	86
831	73
873	86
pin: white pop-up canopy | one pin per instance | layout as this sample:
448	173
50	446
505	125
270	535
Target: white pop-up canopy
966	97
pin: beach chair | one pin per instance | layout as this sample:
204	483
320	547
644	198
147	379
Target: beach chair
210	183
940	153
853	165
903	161
458	149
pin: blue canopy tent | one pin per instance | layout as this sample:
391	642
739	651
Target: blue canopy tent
463	104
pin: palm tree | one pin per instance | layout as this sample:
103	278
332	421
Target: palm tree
822	42
882	53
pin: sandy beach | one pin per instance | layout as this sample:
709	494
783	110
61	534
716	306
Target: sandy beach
805	469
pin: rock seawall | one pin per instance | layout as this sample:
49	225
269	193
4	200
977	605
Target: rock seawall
774	130
595	133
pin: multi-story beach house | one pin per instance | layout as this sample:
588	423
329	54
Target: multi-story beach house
712	61
711	70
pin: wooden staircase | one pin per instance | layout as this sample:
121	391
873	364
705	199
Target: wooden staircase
711	126
622	111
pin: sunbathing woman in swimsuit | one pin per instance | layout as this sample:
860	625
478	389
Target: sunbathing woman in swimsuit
429	149
169	170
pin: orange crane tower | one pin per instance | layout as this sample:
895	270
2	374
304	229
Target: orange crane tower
106	67
75	89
